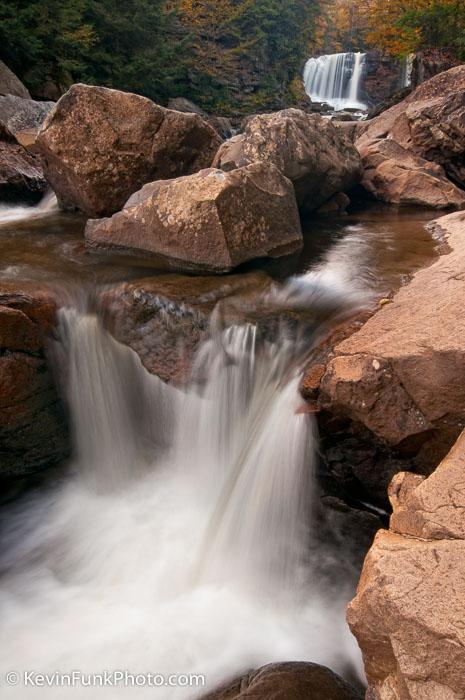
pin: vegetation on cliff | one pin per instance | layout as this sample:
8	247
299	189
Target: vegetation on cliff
224	53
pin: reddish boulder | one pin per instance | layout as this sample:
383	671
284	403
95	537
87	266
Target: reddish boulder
211	221
287	681
33	429
410	605
98	146
21	175
318	158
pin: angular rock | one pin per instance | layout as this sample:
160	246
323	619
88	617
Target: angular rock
211	221
402	376
33	428
98	146
221	124
429	123
19	114
393	174
287	681
314	154
410	605
10	84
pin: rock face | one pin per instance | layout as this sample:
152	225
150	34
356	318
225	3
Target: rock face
10	84
402	376
19	114
98	146
430	125
21	175
287	681
33	430
317	157
410	604
211	221
165	318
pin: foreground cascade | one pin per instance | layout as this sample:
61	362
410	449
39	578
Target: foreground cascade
211	221
98	146
317	157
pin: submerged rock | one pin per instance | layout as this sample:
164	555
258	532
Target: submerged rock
33	429
287	681
410	604
430	125
98	146
314	154
165	318
402	376
211	221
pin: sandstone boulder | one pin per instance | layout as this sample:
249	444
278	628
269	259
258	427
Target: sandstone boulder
33	429
402	375
10	84
314	154
395	175
429	123
19	114
21	175
410	605
287	681
211	221
98	146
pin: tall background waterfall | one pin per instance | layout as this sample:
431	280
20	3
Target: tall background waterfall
336	79
183	539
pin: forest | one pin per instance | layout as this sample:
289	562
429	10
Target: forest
225	54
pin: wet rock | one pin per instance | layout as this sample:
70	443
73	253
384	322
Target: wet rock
33	429
19	114
21	175
314	154
211	221
402	375
407	615
10	84
165	318
287	681
336	205
393	174
98	146
429	124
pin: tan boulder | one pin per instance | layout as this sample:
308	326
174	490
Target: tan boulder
211	221
287	681
318	158
402	375
98	146
429	124
410	605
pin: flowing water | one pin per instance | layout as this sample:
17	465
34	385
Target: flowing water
181	539
336	79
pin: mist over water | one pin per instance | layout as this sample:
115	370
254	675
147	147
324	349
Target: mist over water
182	540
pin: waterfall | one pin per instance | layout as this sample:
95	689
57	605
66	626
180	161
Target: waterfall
23	212
407	69
336	79
182	540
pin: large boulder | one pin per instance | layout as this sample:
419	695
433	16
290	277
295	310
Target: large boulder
211	221
314	154
287	681
410	605
21	175
429	123
98	146
10	84
33	428
395	175
402	375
